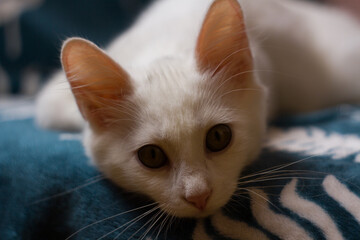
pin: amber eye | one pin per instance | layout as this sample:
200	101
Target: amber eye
152	156
218	138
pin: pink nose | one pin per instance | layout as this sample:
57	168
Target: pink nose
199	200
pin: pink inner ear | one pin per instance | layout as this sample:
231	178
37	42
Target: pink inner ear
97	82
222	43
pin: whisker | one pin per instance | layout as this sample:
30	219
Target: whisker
97	179
162	225
278	167
240	90
149	221
133	221
241	194
264	198
232	200
152	225
227	57
235	201
283	173
113	216
282	178
168	227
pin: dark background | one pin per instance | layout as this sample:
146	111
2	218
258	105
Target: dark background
30	41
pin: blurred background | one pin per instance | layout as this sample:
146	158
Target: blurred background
31	33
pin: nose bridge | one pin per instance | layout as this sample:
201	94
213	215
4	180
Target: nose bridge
193	168
196	185
193	165
195	180
193	175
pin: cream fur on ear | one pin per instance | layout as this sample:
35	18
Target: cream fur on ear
223	44
97	82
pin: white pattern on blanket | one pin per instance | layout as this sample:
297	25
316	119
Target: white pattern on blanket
314	141
281	225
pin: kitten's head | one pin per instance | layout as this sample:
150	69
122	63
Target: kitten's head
182	130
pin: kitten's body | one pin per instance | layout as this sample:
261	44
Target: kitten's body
304	58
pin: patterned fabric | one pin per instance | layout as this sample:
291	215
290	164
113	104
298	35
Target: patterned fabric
305	185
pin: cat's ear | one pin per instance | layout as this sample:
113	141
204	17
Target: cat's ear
222	44
97	82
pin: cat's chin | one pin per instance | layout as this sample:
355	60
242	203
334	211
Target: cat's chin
188	211
192	213
206	213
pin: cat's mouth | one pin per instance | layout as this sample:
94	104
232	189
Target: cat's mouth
184	209
191	212
203	205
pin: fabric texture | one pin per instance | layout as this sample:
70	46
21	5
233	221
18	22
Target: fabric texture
305	185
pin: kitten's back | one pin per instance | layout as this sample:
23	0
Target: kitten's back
297	55
56	107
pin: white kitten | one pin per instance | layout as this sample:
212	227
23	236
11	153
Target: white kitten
180	106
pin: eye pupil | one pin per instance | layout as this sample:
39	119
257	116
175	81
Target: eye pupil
152	156
218	138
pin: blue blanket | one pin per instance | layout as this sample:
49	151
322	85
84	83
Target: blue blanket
305	185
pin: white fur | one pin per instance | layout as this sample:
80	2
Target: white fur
297	56
56	107
176	116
